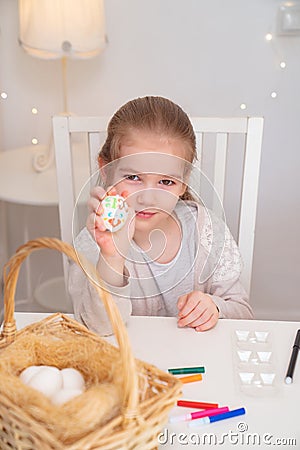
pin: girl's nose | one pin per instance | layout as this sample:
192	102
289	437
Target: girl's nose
147	197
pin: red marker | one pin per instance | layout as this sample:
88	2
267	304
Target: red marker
200	405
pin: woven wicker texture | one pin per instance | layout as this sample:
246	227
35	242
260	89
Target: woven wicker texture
126	401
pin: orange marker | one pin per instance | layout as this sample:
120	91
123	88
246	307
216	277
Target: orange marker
191	378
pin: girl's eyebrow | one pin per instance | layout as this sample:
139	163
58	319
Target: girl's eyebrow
128	170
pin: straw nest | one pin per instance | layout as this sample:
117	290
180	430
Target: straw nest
101	400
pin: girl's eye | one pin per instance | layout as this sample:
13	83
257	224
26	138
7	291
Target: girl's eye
167	182
132	177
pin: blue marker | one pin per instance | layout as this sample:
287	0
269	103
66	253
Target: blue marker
226	415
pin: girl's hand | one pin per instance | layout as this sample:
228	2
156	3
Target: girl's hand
112	244
197	310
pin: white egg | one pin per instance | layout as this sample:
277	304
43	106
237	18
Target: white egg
64	395
72	379
28	373
47	380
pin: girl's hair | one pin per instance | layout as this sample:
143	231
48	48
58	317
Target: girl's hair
156	114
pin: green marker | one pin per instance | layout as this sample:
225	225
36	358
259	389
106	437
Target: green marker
186	370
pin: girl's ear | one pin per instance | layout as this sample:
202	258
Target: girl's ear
101	162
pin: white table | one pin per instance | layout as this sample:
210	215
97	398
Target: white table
158	341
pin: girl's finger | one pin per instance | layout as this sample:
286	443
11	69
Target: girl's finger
193	316
202	318
190	304
209	324
111	190
99	211
182	301
125	194
97	192
94	205
100	225
95	222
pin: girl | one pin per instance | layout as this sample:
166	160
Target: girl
172	257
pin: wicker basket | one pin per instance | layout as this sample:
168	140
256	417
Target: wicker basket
126	401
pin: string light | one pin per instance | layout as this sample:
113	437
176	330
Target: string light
282	64
34	141
243	106
34	110
4	95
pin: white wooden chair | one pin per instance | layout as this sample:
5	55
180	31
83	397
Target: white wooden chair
222	129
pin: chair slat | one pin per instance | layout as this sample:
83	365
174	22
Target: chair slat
198	165
94	147
249	195
220	168
65	181
87	124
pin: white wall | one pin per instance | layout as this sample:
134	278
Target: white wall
209	57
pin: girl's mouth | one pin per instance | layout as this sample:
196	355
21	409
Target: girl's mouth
145	214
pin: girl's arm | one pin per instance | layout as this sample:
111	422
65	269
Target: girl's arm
88	308
231	299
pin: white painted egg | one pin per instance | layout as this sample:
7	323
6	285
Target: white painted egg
28	373
64	395
115	212
72	379
47	380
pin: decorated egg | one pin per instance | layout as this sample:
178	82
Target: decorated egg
115	212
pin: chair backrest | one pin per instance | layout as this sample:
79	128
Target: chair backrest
222	130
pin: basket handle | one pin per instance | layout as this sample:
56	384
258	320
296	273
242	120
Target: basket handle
10	277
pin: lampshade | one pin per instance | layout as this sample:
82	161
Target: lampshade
52	29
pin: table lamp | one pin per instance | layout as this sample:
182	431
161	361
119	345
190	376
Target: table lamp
60	29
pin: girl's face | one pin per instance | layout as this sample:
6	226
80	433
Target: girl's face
151	169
